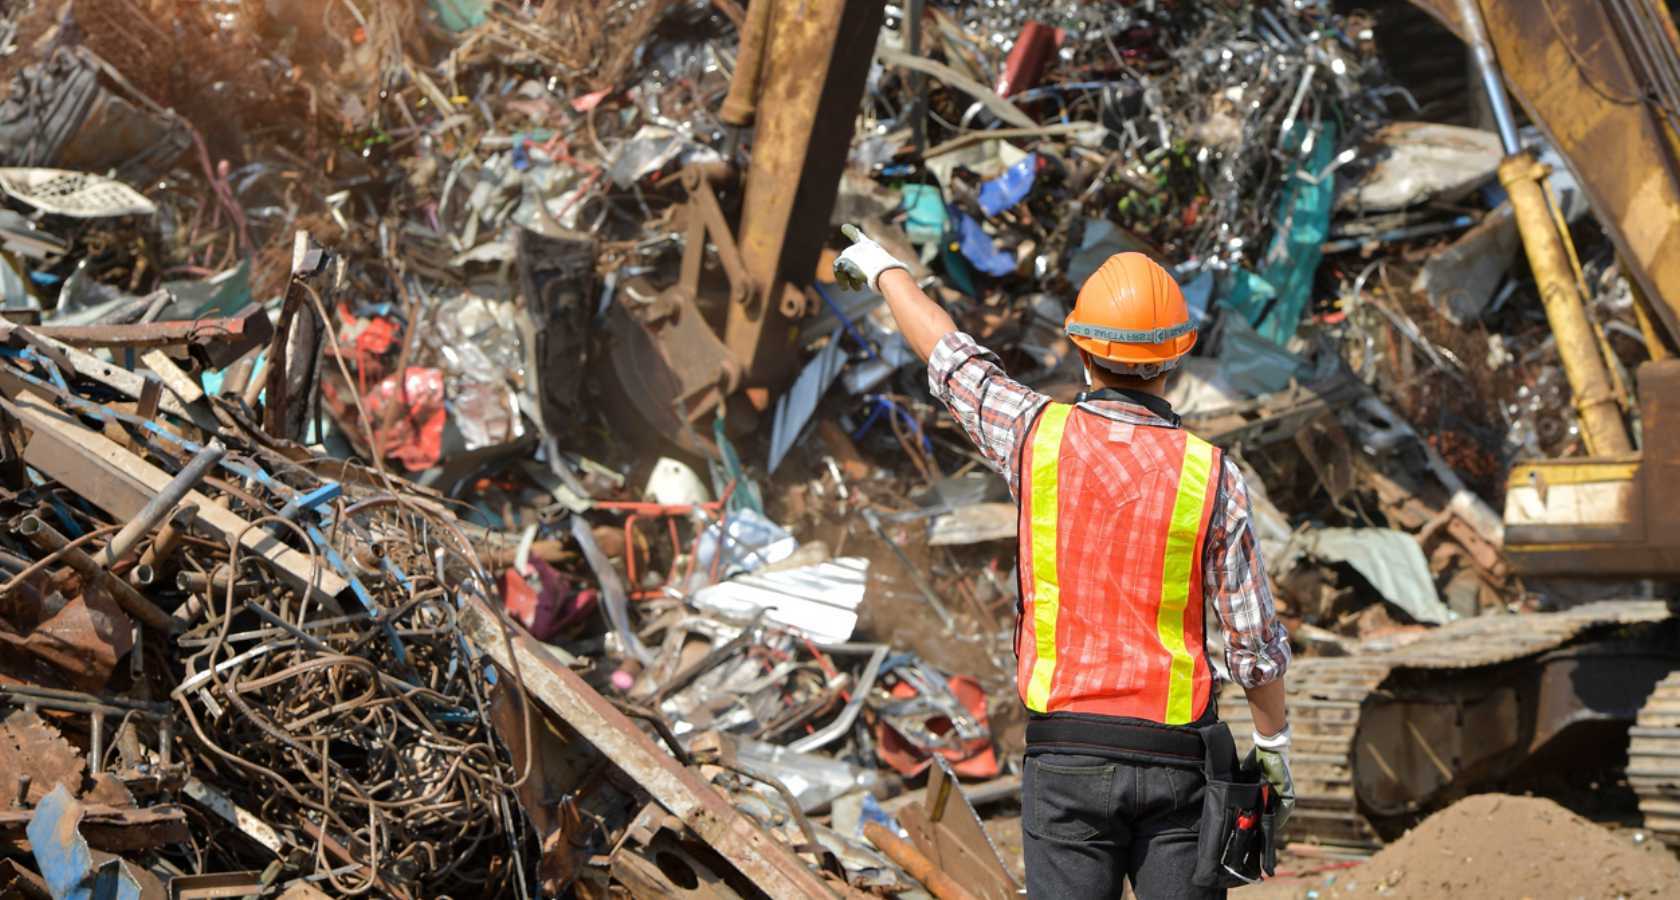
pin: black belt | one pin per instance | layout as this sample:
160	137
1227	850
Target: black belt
1129	739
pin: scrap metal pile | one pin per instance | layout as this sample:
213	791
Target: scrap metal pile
340	560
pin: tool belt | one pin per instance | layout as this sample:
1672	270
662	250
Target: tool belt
1132	740
1237	843
1137	741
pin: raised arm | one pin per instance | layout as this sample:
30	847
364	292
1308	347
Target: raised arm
921	320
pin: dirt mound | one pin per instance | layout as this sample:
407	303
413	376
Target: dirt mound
1499	846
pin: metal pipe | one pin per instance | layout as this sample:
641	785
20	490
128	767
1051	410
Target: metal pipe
1475	29
913	10
142	575
831	732
913	861
96	743
741	105
47	539
161	503
53	698
167	538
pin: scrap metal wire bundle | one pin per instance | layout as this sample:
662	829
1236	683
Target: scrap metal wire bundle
360	736
1248	98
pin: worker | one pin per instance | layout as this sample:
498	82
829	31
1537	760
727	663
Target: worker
1127	524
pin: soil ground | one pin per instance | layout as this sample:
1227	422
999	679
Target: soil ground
1496	846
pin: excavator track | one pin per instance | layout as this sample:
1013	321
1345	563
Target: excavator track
1654	760
1325	695
1336	705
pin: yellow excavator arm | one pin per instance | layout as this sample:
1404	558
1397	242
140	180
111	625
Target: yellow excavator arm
1601	79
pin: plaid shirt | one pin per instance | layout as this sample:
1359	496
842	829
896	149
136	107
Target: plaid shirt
996	412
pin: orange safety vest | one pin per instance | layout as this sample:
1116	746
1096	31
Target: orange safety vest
1114	518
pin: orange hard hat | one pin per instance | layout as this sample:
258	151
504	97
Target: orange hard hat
1131	312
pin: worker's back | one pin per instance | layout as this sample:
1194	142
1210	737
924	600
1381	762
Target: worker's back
1114	520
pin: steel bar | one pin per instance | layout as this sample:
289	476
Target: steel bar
218	338
1492	83
161	504
162	548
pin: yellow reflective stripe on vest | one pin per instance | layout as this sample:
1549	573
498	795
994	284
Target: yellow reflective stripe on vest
1177	564
1047	591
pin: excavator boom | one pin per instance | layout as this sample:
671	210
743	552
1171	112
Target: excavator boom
1601	79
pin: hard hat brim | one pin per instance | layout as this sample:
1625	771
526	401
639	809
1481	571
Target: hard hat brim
1136	354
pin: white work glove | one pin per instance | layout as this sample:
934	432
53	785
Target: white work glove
863	262
1272	752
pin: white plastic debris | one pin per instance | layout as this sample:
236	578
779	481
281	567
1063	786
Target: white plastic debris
75	194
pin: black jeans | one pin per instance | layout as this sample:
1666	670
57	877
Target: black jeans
1088	823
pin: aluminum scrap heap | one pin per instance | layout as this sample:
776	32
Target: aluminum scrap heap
334	563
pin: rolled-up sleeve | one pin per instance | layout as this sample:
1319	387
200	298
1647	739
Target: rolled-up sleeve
1256	644
994	410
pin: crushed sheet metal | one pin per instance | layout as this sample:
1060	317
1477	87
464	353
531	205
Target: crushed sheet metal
795	408
974	524
945	827
66	861
819	601
83	640
1391	560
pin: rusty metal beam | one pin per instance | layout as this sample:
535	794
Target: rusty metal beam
1567	64
221	340
768	864
816	56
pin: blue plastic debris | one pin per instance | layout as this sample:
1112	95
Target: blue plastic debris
459	15
926	221
1011	187
64	858
873	811
1273	300
977	247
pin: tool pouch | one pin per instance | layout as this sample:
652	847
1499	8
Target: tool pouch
1235	846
